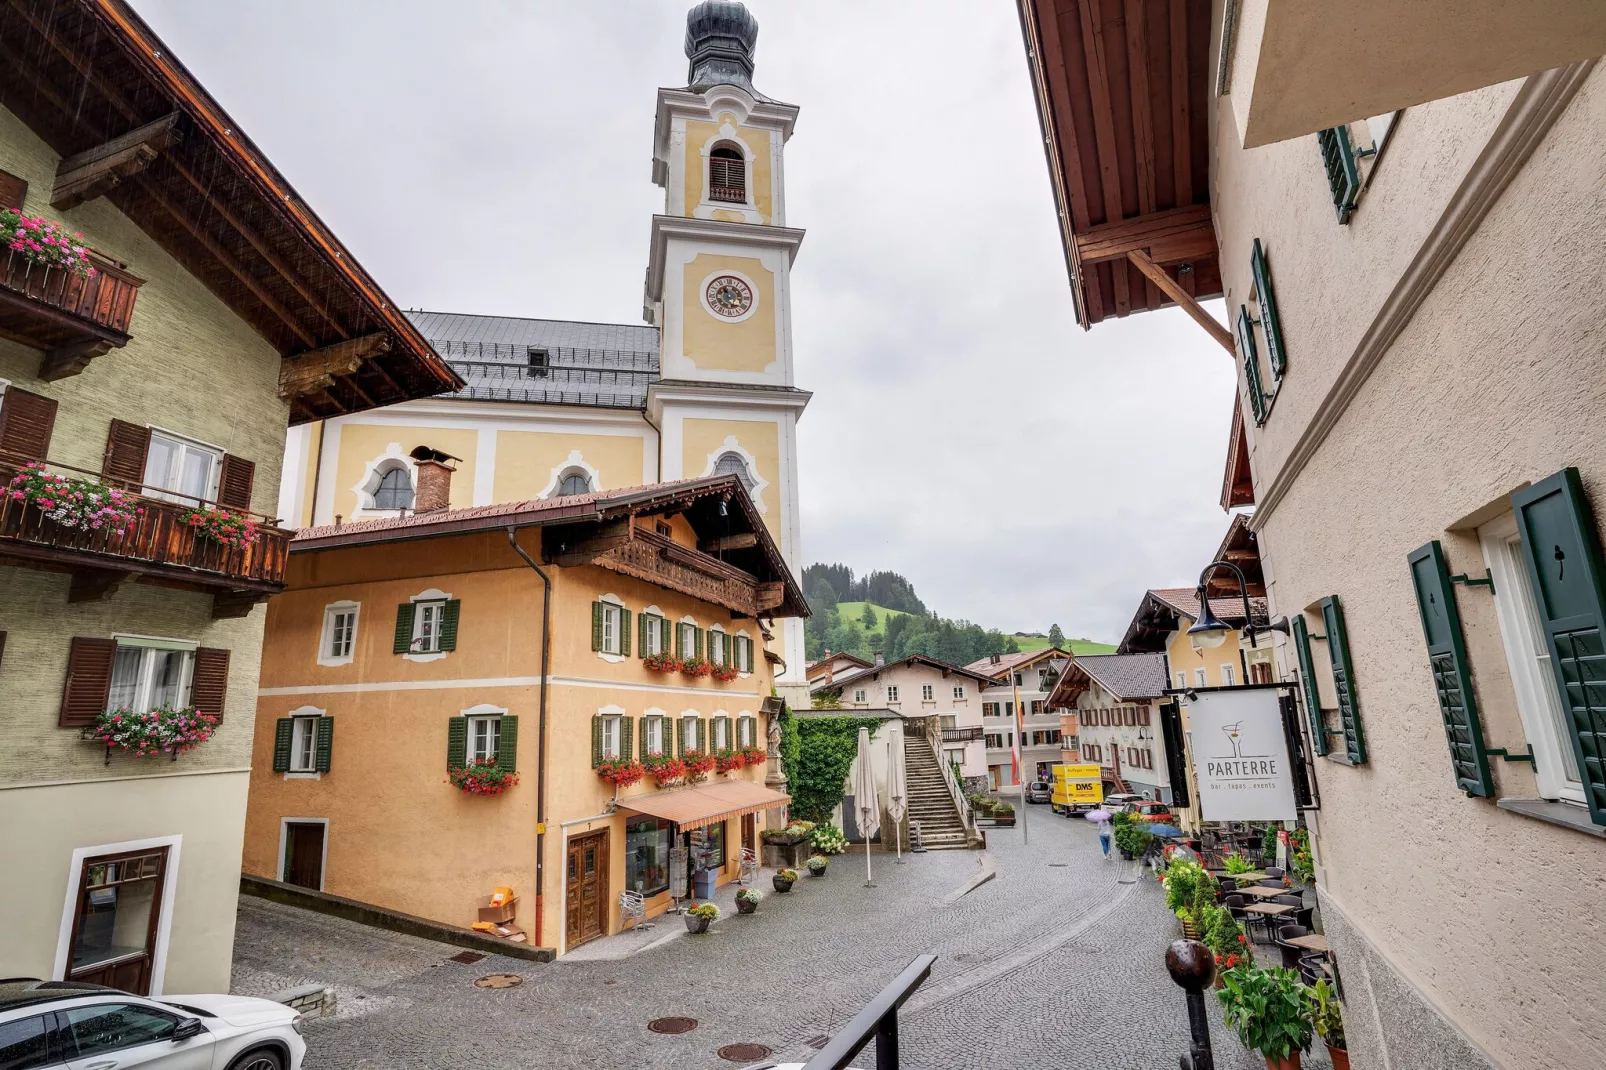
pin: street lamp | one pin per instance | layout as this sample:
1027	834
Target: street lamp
1209	631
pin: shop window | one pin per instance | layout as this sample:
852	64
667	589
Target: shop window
647	843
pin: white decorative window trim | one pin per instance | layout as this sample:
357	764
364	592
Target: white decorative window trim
329	613
366	487
303	712
752	647
730	445
164	925
706	207
573	463
611	658
475	713
752	287
434	594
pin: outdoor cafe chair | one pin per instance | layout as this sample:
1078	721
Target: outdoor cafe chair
1310	967
633	907
1301	914
749	867
1291	953
1273	873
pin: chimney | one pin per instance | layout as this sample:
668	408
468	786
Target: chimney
995	658
880	658
434	480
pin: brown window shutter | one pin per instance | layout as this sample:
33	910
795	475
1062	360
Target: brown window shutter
26	421
234	484
13	190
126	447
209	686
89	681
2	648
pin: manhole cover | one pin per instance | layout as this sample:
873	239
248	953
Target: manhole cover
818	1042
743	1053
672	1026
466	957
499	980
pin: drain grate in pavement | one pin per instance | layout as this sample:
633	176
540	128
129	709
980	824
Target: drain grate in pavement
818	1042
743	1053
672	1026
1058	865
466	957
499	980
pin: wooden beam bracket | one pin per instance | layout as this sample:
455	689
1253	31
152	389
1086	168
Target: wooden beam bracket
94	172
69	360
308	373
1157	275
95	585
728	542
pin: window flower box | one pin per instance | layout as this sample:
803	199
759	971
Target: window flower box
45	243
482	777
752	757
698	766
723	673
622	772
665	663
222	526
161	730
729	761
666	772
696	667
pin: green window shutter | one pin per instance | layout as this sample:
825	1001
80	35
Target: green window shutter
449	624
596	625
663	633
1349	706
456	742
1452	676
283	731
624	632
680	737
1307	682
507	745
1343	177
680	641
702	734
325	744
697	634
1562	550
404	627
627	733
596	741
642	624
1270	321
1246	350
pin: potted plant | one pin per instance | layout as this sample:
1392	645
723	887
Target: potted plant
661	663
723	673
1328	1022
158	731
784	879
1236	863
828	840
1226	940
482	777
1132	839
665	771
1300	866
1269	1009
1004	814
621	772
698	766
222	526
793	833
700	917
816	865
695	667
747	900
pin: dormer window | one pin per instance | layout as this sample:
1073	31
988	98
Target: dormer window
574	481
727	175
537	363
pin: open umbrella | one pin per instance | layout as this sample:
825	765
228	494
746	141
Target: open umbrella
864	799
1165	831
1098	815
896	801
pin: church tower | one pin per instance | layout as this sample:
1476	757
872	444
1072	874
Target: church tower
719	287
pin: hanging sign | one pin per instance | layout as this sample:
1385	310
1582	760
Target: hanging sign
1240	755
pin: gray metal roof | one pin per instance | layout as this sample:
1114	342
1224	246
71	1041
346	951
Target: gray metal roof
1127	676
602	364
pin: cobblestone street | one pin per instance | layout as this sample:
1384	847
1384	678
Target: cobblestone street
1053	962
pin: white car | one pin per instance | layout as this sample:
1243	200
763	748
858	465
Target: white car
72	1026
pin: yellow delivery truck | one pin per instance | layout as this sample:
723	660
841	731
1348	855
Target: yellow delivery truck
1077	789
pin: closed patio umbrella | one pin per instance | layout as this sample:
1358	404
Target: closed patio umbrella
864	799
897	802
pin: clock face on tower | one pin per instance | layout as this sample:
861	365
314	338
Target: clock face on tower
729	296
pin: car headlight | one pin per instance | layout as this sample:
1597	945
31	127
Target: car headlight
296	1023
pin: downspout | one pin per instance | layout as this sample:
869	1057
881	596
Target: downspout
540	744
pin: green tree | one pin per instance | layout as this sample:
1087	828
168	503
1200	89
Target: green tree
868	618
1056	638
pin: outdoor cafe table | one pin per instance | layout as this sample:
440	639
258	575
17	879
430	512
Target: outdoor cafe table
1271	910
1253	875
1311	942
1261	891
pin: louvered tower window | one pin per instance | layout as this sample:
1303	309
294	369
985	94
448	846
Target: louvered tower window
727	176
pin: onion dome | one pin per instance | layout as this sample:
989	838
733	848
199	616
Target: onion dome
720	38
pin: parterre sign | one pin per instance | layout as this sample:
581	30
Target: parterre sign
1240	756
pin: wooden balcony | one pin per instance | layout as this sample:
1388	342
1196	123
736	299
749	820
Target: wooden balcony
646	555
71	318
962	735
160	548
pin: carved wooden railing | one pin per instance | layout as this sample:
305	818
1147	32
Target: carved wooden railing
106	299
656	558
161	535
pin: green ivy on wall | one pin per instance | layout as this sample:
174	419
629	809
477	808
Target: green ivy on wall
825	752
790	744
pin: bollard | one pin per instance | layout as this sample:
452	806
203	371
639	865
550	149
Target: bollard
1192	966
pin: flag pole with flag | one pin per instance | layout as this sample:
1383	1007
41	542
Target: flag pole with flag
1014	758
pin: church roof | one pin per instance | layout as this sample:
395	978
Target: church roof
605	365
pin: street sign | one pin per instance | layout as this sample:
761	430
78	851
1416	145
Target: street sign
1240	755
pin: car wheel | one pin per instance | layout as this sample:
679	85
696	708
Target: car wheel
260	1059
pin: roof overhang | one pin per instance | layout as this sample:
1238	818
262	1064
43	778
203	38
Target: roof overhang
1296	68
1237	480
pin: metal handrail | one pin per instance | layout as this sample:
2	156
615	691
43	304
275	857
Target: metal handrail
955	792
878	1018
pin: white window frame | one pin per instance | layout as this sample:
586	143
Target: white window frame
1528	658
928	693
330	612
1199	675
959	692
746	727
892	694
653	719
1228	672
859	695
742	653
492	725
303	745
1182	680
613	619
690	647
186	445
692	716
611	741
423	612
721	732
147	667
724	638
654	631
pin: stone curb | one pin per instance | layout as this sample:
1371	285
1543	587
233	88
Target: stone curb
987	870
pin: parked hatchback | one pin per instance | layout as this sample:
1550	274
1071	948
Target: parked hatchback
68	1024
1039	791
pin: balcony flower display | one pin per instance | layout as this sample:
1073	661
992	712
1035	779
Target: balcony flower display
698	766
729	761
665	771
754	756
482	777
222	526
665	662
622	772
723	673
44	242
80	504
157	731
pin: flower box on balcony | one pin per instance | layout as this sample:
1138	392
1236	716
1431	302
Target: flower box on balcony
71	315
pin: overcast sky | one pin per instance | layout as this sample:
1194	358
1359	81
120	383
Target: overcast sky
493	156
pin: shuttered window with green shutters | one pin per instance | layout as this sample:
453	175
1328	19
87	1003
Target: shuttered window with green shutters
283	732
610	628
325	744
1251	361
1271	321
507	745
652	736
1308	688
1349	705
627	736
1452	676
596	741
1561	548
456	742
1343	175
744	731
449	615
404	627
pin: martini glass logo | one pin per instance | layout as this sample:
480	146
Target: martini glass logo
1234	736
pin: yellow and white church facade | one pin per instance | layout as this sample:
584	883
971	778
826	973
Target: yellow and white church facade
554	407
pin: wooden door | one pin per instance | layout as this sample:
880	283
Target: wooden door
586	870
303	854
115	922
750	833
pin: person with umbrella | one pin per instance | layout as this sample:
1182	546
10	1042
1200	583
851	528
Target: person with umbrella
1101	819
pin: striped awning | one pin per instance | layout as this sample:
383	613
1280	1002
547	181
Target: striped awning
704	804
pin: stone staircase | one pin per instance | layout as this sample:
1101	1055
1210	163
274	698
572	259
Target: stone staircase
929	802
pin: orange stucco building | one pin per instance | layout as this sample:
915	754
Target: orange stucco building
405	647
